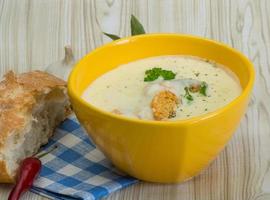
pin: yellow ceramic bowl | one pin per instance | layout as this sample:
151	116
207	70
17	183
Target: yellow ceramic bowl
159	151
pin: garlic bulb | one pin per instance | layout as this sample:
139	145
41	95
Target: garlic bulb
62	68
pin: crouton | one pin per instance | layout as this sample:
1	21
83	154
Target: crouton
164	105
194	88
116	111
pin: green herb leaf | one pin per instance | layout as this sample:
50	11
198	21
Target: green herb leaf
188	96
112	36
136	26
168	75
155	73
152	74
203	88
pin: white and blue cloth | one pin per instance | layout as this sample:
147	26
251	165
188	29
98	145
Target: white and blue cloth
76	169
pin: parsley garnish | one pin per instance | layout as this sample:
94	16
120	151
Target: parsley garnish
155	73
188	96
203	88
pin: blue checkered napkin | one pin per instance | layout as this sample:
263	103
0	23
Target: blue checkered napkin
76	169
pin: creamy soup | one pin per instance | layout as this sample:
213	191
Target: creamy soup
164	88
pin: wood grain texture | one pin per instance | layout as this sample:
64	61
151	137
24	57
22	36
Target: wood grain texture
33	34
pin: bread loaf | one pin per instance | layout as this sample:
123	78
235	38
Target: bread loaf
31	106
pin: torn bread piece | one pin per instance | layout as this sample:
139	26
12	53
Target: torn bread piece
31	106
164	105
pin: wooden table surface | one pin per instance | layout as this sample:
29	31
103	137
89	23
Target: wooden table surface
33	34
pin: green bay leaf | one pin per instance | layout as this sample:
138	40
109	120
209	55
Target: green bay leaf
136	26
112	36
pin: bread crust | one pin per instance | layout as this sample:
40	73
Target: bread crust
18	95
4	176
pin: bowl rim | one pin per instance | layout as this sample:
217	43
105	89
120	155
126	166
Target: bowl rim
244	93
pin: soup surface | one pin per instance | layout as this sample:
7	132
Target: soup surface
164	88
